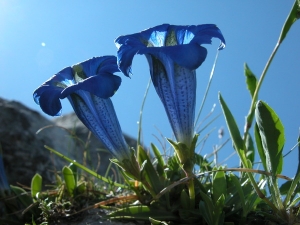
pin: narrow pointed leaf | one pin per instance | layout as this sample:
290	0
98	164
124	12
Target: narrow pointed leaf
22	196
259	147
234	131
149	171
251	80
218	211
219	185
206	208
239	190
292	17
293	203
250	149
184	200
272	136
160	161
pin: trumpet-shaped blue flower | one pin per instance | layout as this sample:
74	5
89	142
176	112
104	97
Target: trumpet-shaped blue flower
173	54
88	86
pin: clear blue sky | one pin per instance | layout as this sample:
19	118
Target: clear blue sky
39	38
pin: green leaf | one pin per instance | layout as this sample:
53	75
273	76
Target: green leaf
250	149
240	191
218	211
292	189
293	203
202	163
219	185
272	136
143	213
285	187
251	80
234	131
259	147
206	208
69	179
160	161
184	200
36	185
181	150
22	196
292	17
74	169
149	172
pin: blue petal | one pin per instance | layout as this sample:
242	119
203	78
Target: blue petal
99	116
103	85
48	99
176	87
200	34
129	46
155	36
99	81
48	94
204	34
190	56
64	77
166	35
98	65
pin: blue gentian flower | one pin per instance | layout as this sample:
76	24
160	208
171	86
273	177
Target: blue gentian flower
88	86
173	54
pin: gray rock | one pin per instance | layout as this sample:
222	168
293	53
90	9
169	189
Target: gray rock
87	144
23	150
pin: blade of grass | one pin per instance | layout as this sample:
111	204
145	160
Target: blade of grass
207	88
86	169
141	114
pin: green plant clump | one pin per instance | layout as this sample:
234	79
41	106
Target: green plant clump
156	188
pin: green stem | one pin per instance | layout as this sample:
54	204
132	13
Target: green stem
260	194
250	115
292	17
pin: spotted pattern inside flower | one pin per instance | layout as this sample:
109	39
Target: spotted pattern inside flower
79	74
171	39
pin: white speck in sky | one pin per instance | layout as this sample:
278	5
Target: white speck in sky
43	44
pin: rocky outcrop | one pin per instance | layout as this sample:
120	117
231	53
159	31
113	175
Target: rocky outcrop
23	148
89	149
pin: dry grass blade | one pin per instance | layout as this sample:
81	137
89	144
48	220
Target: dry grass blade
120	200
